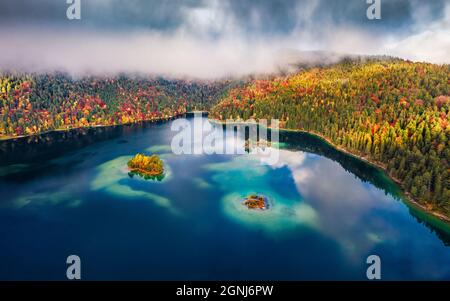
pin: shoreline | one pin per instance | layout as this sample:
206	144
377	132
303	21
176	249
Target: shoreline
145	173
408	199
9	138
407	196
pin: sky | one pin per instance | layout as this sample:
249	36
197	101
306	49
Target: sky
213	38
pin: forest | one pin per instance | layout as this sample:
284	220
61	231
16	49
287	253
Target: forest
393	113
32	104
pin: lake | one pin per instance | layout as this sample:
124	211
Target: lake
66	193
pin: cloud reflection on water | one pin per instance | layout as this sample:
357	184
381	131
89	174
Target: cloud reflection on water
360	217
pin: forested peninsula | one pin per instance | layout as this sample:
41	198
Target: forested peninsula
393	113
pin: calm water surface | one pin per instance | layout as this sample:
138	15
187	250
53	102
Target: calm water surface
70	195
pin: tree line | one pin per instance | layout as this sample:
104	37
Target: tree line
32	104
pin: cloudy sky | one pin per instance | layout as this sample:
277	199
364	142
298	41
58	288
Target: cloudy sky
212	38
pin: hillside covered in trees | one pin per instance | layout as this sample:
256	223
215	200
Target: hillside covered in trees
32	104
393	113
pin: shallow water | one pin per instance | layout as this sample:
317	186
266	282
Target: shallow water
329	211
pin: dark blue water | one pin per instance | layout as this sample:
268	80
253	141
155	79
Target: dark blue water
70	194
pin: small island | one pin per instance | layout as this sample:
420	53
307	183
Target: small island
256	202
148	167
250	145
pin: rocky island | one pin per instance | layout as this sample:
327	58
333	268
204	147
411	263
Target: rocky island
256	202
148	167
250	145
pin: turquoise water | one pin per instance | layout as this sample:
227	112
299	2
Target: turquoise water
71	194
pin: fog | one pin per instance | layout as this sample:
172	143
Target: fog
213	39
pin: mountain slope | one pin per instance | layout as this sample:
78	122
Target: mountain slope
394	113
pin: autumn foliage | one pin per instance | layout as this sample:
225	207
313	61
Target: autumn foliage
146	165
395	113
32	104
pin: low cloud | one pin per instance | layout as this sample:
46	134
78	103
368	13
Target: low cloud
141	52
430	43
213	39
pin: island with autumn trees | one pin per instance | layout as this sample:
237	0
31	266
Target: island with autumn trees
392	113
148	167
256	201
